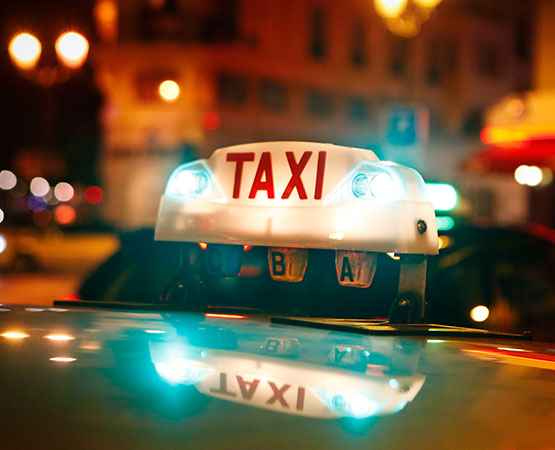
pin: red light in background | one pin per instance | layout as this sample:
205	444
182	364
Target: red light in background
69	297
203	245
246	248
225	316
211	121
94	195
64	214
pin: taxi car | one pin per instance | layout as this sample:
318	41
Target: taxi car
215	363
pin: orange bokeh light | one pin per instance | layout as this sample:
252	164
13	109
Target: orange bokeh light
64	214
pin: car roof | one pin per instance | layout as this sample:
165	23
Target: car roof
112	382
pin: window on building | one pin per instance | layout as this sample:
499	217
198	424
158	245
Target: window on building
358	45
442	59
451	55
319	104
232	89
358	109
433	74
488	60
318	34
522	41
399	56
473	122
273	95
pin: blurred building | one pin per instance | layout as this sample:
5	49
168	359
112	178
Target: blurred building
520	133
256	70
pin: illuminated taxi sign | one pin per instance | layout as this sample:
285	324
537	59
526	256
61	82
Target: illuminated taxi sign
298	195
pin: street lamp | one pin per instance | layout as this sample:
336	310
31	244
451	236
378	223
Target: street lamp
25	50
72	49
405	17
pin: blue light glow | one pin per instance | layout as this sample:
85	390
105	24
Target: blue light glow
179	371
350	404
443	196
445	223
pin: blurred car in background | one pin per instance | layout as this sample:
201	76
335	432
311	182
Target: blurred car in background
507	274
53	249
499	278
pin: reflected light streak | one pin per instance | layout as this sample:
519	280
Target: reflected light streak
59	337
62	359
14	335
155	331
225	316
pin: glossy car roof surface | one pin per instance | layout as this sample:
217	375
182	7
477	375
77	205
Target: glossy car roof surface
89	378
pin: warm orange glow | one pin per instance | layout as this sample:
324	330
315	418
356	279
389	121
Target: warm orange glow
59	337
390	8
427	3
14	335
445	241
168	90
225	316
203	245
72	49
64	214
496	135
25	50
63	359
106	15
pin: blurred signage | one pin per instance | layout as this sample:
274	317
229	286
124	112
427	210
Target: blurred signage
406	125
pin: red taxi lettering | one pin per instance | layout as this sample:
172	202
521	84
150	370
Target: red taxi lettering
296	169
264	169
264	177
278	394
248	388
320	176
223	386
300	398
239	159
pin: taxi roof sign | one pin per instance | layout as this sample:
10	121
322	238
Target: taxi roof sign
299	194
